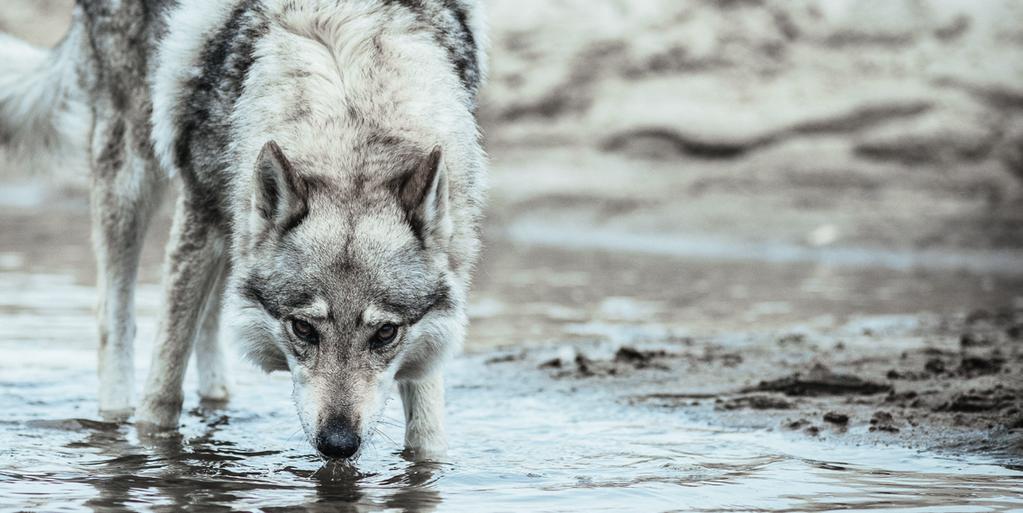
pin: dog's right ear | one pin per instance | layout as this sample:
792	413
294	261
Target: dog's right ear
279	195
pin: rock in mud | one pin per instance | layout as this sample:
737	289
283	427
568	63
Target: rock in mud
639	359
1015	332
792	339
672	400
901	397
625	359
883	421
971	366
797	424
979	402
1015	423
820	381
935	366
583	365
756	402
907	375
505	358
803	425
553	363
975	340
836	418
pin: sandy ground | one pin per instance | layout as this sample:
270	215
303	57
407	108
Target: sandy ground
800	216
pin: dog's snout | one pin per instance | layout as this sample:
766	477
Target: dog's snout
337	440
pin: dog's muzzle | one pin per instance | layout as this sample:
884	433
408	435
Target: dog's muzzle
337	439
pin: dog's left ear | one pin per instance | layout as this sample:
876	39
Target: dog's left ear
423	195
278	193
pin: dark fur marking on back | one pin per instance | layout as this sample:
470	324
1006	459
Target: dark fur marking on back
464	57
451	30
204	137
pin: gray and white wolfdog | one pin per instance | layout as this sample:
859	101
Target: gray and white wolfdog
332	180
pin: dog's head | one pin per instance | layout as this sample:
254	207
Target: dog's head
347	286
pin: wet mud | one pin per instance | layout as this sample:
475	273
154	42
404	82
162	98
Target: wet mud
952	385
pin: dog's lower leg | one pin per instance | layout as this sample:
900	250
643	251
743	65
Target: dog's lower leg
423	402
124	194
194	256
214	383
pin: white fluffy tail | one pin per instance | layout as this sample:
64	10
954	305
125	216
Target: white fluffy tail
43	117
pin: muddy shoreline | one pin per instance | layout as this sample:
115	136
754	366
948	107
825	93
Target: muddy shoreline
952	385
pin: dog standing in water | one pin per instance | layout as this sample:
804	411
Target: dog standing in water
332	180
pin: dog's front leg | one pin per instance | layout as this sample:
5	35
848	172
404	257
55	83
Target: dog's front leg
423	401
210	357
194	257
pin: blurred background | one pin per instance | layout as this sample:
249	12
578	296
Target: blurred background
711	164
811	210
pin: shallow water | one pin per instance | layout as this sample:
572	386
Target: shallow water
512	449
519	442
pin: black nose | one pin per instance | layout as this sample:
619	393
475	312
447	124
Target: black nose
337	440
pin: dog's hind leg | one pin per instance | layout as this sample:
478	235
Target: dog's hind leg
423	402
125	191
214	382
195	259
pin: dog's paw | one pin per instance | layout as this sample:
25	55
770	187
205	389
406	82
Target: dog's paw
424	455
115	394
215	392
157	415
425	450
115	414
114	403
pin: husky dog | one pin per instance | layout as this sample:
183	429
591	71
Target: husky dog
331	177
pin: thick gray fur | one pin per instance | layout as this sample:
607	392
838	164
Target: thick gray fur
330	171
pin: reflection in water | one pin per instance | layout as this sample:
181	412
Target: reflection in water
616	458
169	469
205	472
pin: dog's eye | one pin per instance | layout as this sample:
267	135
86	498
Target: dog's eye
384	335
305	331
